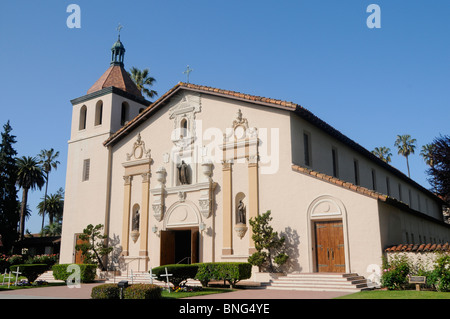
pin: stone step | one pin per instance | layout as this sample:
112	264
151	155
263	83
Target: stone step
48	277
320	282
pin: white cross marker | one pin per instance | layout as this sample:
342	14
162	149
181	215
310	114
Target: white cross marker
17	272
167	278
9	279
131	276
4	276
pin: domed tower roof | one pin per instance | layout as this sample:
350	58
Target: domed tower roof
116	75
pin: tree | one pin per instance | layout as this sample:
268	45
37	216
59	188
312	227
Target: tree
29	176
142	79
383	153
426	153
269	246
54	204
406	146
53	229
9	202
47	159
439	172
94	248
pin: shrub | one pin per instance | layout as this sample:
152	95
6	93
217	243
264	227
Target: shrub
395	274
142	291
180	272
441	273
106	291
30	271
87	272
233	272
49	260
15	260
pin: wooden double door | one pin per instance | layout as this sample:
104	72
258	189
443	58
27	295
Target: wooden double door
330	251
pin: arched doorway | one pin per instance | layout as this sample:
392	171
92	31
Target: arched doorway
328	235
180	239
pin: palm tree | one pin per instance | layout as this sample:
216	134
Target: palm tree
142	79
54	204
426	153
29	176
406	146
383	153
51	230
47	158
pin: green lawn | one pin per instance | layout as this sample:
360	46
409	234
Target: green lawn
205	291
397	294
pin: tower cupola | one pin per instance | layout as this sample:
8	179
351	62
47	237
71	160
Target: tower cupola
117	53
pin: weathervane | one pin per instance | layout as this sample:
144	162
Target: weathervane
188	70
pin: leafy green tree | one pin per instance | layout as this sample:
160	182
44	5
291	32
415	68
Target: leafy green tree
383	153
9	202
142	80
94	248
406	146
439	172
29	176
269	246
48	160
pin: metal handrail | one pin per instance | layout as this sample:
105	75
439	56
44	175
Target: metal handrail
188	258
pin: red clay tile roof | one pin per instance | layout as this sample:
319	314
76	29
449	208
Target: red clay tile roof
418	248
336	181
116	76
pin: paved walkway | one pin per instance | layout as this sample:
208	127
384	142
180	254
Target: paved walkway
84	292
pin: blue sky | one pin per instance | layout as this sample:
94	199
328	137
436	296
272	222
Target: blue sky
371	84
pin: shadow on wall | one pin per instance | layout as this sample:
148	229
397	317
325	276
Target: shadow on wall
292	243
114	257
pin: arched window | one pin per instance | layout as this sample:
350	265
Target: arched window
124	115
135	218
83	115
98	112
184	127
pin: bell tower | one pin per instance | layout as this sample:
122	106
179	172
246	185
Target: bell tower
110	103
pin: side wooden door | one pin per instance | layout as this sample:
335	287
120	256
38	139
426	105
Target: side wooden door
167	254
79	258
330	255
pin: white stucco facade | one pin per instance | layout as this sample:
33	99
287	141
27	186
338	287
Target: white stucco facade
237	147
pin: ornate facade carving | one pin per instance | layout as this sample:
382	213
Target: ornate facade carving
138	151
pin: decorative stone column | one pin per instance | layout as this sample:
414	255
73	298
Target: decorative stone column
227	248
253	198
126	213
144	215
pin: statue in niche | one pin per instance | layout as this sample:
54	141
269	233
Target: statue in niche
135	225
241	213
183	173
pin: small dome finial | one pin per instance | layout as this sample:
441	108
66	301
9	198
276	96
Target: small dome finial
118	50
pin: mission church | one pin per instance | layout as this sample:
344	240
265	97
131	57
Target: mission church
177	180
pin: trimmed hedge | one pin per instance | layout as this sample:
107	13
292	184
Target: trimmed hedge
142	291
106	291
87	272
233	272
31	271
136	291
180	272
